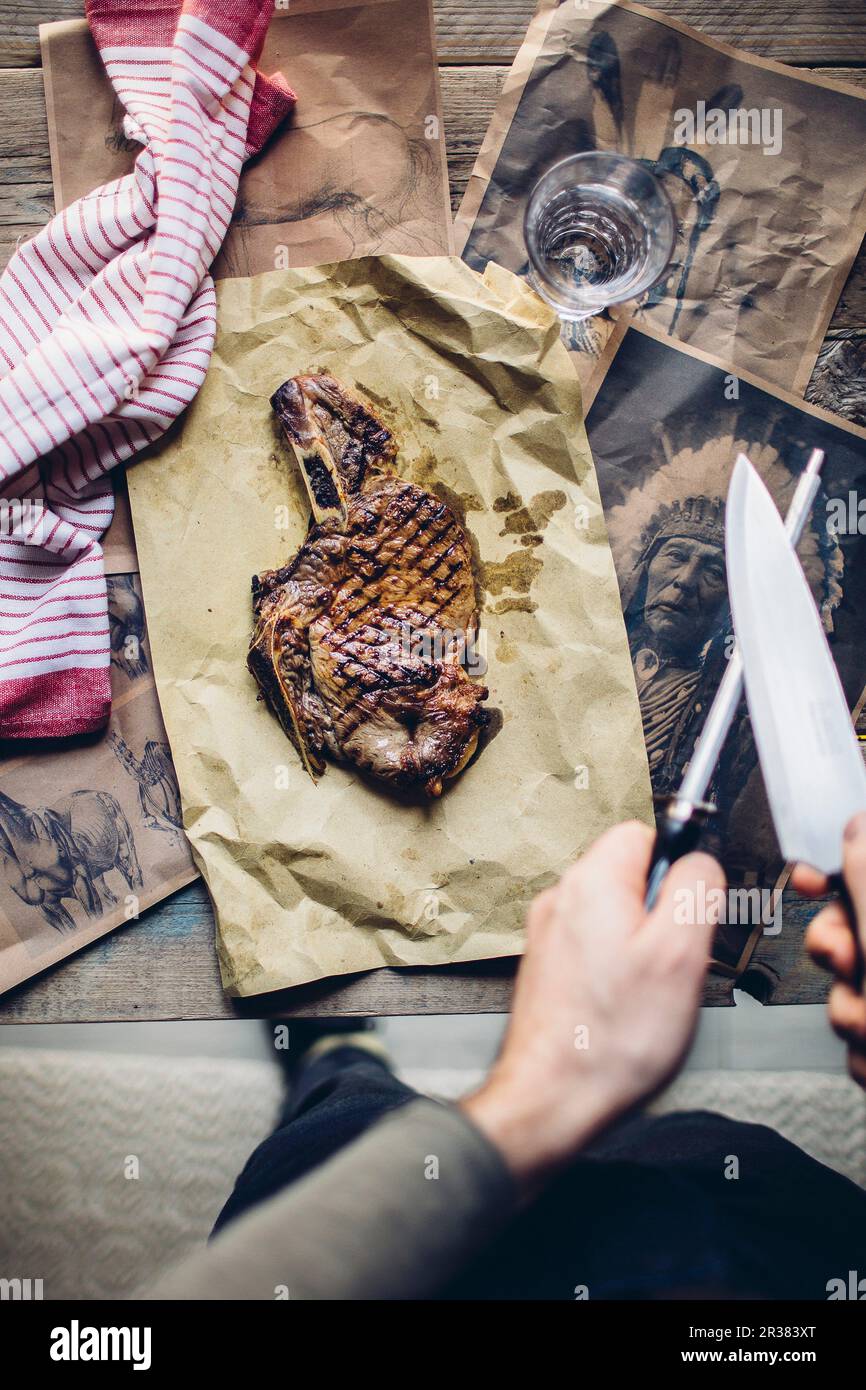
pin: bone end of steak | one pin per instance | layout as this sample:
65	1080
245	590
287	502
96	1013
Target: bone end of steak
335	438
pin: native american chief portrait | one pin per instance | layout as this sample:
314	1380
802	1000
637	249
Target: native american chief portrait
668	541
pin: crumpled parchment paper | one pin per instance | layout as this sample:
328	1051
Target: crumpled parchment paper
311	880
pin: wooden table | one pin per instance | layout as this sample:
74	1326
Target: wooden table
164	966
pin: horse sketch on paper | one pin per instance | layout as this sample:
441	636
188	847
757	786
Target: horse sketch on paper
358	175
61	854
360	178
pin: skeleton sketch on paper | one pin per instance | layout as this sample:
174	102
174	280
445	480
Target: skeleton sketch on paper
158	792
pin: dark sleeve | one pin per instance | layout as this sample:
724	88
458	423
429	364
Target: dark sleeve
391	1216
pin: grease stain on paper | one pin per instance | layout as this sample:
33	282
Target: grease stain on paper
510	580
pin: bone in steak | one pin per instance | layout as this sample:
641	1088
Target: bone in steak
359	640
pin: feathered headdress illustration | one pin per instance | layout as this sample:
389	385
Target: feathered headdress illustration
685	496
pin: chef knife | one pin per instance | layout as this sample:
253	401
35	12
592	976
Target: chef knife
687	812
810	758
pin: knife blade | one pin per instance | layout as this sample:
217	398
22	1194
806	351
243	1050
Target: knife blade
811	761
686	813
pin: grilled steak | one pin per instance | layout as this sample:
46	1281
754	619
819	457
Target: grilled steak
359	641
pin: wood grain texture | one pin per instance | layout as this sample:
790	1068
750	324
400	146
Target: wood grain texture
12	233
164	967
19	28
491	31
813	32
838	382
469	96
808	32
25	167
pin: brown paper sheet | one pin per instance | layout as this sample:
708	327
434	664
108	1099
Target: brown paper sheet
312	880
361	167
665	428
765	242
90	829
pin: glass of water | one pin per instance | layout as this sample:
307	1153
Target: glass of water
599	229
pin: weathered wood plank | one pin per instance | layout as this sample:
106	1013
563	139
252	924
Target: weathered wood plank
838	382
483	31
11	234
26	196
491	31
469	96
23	124
791	31
30	203
19	27
25	167
852	77
164	967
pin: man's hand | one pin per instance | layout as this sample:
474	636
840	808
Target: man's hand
605	1003
833	945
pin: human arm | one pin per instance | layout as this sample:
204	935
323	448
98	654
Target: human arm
397	1212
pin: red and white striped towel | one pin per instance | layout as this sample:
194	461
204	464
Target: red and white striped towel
107	321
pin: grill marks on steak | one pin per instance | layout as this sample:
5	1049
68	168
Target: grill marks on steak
339	645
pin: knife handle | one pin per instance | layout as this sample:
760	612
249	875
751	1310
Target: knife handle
839	888
678	832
